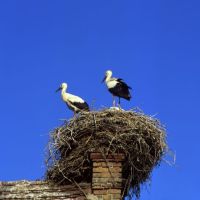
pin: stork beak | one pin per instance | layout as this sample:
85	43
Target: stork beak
58	89
103	79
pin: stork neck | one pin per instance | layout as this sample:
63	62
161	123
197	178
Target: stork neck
63	91
108	78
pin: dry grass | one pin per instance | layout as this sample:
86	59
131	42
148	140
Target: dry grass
140	137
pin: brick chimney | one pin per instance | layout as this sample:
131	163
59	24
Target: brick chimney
107	176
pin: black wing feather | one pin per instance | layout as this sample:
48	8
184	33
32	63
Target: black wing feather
121	89
81	106
120	80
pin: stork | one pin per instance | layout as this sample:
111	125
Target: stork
74	103
117	87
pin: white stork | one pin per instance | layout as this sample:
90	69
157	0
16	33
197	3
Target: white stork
73	102
117	87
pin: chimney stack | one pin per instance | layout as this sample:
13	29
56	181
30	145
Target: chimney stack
107	176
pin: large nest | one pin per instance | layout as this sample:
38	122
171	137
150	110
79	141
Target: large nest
140	137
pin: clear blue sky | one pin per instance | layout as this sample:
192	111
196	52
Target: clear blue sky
153	45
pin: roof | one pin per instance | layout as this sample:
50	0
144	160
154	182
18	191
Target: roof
41	190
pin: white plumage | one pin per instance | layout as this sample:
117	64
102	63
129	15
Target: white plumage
111	83
73	102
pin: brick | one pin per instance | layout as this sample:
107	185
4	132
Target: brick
114	191
100	197
105	180
102	185
100	169
106	169
107	197
99	192
106	186
112	164
115	169
97	164
116	196
107	175
109	164
106	191
98	156
108	160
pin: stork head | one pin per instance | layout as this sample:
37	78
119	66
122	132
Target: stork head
62	86
108	75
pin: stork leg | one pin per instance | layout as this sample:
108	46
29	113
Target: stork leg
113	101
119	103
